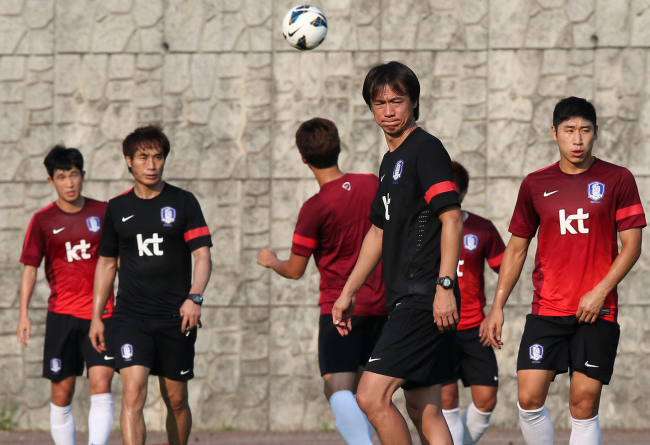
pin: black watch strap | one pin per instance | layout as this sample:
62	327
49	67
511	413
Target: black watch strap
446	282
196	298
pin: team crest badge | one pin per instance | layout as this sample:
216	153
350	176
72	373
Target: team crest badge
347	186
596	191
470	242
127	351
397	171
55	365
168	215
94	224
536	352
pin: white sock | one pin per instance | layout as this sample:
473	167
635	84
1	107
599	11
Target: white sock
350	420
475	422
585	432
452	416
100	418
62	425
536	426
371	429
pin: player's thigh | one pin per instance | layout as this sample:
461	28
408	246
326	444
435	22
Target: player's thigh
62	348
593	349
477	364
420	398
174	350
450	396
63	391
336	353
584	396
376	390
134	386
133	342
484	397
339	381
174	393
533	385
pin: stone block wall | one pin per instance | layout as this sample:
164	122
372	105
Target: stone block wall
231	93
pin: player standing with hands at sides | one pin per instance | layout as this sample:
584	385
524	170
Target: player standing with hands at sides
476	363
578	204
154	229
417	230
67	234
331	226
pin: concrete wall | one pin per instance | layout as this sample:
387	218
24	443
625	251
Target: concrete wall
231	94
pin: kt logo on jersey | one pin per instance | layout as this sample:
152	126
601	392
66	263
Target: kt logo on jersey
470	242
168	215
94	224
596	191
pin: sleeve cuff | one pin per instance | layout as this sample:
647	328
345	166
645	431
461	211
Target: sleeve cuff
197	243
377	220
30	261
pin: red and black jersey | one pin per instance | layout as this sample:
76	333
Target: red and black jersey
416	180
578	218
69	243
481	243
332	225
154	239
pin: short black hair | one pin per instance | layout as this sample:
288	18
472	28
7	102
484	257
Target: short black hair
318	142
461	177
399	77
571	107
147	137
62	158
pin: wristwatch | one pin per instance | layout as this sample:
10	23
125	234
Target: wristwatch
445	282
197	298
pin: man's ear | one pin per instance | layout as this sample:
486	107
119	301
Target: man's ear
50	180
554	132
304	161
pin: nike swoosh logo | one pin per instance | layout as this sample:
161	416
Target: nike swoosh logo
127	218
106	357
55	231
373	359
590	366
549	193
382	178
185	372
292	33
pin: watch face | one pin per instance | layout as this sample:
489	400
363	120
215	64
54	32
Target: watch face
446	282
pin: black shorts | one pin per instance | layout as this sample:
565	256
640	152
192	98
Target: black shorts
156	343
412	348
476	364
346	354
561	344
68	347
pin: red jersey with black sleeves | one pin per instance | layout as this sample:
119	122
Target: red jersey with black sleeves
481	243
332	225
416	180
578	218
154	239
69	243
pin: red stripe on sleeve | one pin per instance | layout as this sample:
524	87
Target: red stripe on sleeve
439	188
629	211
496	261
304	241
195	233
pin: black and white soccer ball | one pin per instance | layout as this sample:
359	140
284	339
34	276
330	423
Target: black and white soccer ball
304	27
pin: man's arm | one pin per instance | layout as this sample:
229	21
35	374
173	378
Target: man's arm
293	268
27	283
445	311
369	258
511	265
104	278
190	311
592	302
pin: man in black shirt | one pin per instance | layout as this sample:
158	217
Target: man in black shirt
154	229
417	231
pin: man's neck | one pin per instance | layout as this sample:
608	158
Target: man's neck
325	175
71	207
144	191
394	141
573	169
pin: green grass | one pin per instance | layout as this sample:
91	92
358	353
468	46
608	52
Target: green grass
7	412
225	427
326	428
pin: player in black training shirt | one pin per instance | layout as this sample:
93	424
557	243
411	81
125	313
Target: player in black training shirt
417	230
154	229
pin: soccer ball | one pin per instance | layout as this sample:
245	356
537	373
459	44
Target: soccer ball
304	27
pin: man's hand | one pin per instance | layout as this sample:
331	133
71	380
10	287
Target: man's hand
191	313
482	333
265	257
493	327
342	313
590	305
24	330
445	312
96	334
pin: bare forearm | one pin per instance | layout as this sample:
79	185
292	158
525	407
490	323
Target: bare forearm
281	267
27	284
369	258
511	266
450	242
201	275
104	278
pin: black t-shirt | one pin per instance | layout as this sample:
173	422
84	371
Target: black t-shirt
416	180
154	239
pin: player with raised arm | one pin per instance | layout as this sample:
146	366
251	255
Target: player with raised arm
155	229
331	226
477	365
66	233
416	232
578	205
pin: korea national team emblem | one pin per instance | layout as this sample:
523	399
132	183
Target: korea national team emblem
397	171
127	351
168	215
93	223
55	366
536	352
596	191
470	242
